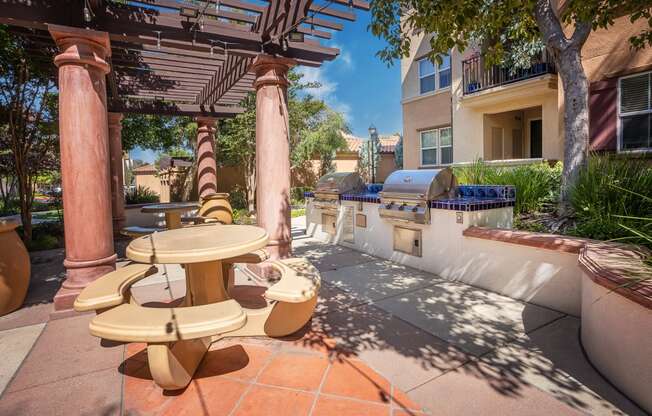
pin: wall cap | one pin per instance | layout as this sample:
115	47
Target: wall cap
614	265
553	242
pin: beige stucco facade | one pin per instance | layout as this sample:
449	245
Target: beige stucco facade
495	123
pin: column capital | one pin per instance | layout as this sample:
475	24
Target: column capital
206	124
81	47
271	70
115	120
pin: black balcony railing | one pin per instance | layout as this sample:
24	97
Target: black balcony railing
476	77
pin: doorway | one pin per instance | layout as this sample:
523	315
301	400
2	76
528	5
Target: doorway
536	138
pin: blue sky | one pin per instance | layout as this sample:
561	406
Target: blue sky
356	83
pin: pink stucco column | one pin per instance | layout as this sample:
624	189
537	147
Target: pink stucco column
206	164
273	152
84	142
117	181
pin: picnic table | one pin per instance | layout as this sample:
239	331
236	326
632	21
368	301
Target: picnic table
172	211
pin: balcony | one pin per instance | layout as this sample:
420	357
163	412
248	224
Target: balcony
476	77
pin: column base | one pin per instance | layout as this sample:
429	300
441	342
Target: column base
63	302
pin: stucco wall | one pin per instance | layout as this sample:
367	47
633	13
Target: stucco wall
545	277
419	46
607	52
148	180
429	111
471	136
616	336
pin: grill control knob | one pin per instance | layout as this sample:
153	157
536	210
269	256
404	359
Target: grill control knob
389	206
415	208
402	207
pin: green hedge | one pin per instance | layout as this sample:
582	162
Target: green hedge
536	184
613	200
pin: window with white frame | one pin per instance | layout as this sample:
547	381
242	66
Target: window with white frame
635	112
434	76
436	147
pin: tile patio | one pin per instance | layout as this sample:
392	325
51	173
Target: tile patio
386	340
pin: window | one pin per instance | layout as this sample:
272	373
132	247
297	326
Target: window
426	76
433	76
635	112
445	72
437	147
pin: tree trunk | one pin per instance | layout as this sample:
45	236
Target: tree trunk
576	120
250	177
25	198
568	53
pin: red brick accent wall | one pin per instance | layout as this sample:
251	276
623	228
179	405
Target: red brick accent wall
603	115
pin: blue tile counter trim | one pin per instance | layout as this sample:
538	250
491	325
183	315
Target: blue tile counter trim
486	191
470	197
374	188
472	204
371	197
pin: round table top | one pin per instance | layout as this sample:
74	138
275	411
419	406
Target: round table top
171	207
197	244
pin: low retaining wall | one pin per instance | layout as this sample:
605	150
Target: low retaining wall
534	267
617	317
133	217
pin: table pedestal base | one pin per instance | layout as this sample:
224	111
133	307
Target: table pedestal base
172	364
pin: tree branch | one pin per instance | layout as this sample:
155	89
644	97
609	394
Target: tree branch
550	26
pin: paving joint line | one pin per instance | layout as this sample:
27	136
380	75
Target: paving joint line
252	383
20	366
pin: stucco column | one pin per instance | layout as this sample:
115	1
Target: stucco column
84	142
206	164
117	181
273	152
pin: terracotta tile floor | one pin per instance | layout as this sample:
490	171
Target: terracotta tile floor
385	340
267	377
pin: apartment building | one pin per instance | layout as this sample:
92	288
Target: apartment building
460	110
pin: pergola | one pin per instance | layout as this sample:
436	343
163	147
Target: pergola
197	58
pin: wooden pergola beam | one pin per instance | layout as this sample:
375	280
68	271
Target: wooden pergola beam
173	109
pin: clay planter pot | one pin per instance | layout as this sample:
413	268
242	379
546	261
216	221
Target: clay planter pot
217	206
15	268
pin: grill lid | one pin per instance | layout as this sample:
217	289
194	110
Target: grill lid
423	184
340	183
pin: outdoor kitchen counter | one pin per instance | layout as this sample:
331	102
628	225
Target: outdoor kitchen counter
358	224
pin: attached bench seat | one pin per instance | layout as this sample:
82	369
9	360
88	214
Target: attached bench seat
137	231
112	289
199	220
133	323
290	302
300	281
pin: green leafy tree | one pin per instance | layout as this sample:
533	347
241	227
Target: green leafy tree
237	138
310	120
28	116
507	30
322	140
156	132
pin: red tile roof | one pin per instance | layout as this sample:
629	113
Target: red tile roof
387	142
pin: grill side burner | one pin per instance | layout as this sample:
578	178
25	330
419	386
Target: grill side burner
406	194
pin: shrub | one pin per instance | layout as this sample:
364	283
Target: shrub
141	195
536	184
238	198
611	197
296	195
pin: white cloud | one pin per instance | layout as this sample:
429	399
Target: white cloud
345	60
327	90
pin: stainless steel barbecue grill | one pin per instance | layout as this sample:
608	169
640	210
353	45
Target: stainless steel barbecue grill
331	186
406	194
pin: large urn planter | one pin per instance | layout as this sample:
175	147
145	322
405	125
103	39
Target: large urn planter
15	268
217	206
